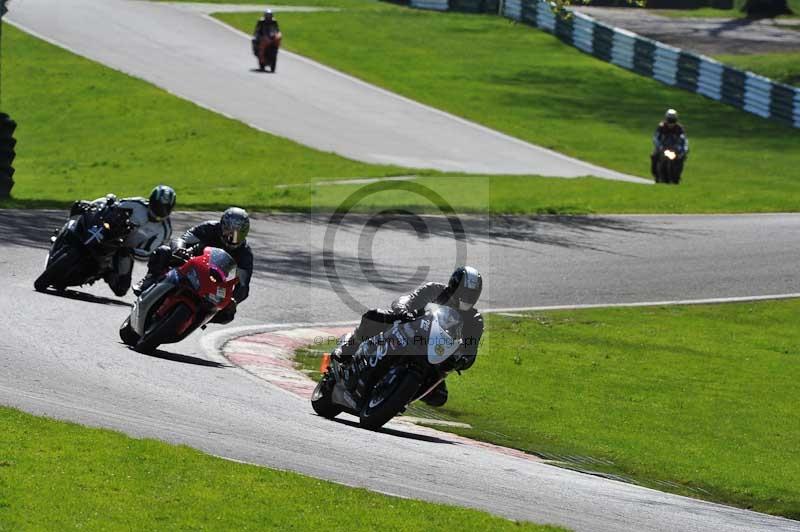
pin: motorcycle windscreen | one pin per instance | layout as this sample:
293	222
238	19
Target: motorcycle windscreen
220	260
444	338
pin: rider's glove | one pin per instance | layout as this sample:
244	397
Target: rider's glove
184	253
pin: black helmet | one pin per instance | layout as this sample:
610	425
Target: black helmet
235	224
161	203
465	287
268	14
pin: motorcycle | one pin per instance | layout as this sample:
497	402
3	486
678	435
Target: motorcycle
669	167
185	299
391	370
266	49
83	250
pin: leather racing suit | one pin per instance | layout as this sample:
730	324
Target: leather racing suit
407	308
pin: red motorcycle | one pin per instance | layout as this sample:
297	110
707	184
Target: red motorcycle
187	297
267	50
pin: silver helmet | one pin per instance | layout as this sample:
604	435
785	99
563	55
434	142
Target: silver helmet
235	224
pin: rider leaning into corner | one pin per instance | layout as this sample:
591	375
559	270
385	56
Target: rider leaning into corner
460	293
152	228
669	134
230	234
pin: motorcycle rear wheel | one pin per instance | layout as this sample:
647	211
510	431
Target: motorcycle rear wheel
389	397
163	330
321	399
55	274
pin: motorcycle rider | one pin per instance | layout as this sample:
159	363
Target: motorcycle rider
266	26
152	228
669	134
460	293
230	234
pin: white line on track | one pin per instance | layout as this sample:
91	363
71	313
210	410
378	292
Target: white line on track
212	342
709	301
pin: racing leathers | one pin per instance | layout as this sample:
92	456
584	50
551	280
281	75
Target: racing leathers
264	28
194	241
146	236
408	308
670	136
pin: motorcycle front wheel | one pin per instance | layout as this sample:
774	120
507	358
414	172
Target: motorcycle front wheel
58	270
321	399
390	396
164	330
127	334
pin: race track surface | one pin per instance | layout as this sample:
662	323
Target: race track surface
60	356
198	58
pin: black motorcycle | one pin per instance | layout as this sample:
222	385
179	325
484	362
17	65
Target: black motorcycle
393	369
82	252
669	166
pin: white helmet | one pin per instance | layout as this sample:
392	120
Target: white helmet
671	116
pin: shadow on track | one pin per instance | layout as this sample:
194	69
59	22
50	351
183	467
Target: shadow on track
397	433
30	228
280	259
88	298
183	359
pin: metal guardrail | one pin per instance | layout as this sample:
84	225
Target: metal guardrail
672	66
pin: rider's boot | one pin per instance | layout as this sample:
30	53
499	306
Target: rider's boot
437	396
146	282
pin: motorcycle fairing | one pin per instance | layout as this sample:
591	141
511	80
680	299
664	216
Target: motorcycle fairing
444	336
144	303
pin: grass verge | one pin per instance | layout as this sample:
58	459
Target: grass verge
783	67
527	83
56	476
85	130
699	400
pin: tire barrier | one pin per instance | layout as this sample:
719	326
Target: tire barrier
672	66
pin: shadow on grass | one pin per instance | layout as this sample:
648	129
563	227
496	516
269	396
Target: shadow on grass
631	99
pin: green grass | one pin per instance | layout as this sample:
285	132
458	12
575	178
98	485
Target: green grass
85	130
58	476
527	83
782	67
700	396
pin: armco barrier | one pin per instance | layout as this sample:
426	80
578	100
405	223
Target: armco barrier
692	72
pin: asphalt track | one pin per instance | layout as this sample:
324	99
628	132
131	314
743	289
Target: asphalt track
60	356
198	58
